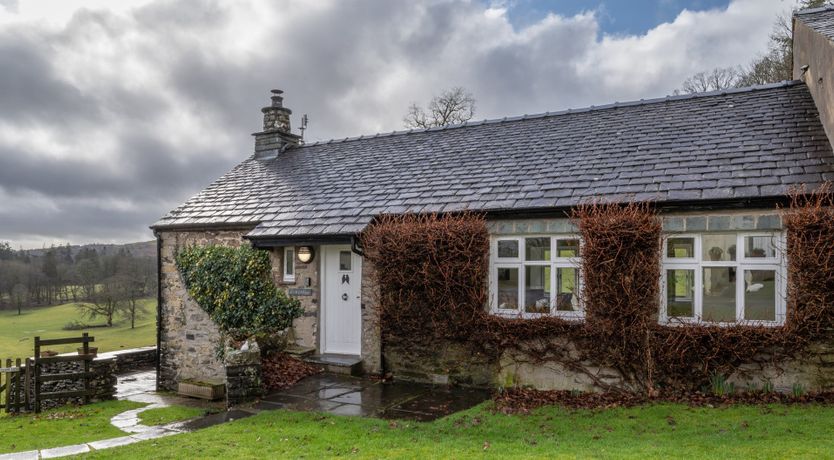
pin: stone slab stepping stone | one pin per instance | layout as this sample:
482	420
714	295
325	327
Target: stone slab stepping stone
65	451
27	455
113	442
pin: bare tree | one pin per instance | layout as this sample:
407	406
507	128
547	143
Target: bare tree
452	106
776	65
19	295
714	80
105	301
133	284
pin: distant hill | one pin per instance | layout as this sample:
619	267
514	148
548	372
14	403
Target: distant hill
140	249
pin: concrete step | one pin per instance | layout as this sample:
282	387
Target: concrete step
337	364
300	351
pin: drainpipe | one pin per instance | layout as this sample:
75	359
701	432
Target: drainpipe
158	305
356	247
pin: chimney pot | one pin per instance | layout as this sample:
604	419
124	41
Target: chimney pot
277	99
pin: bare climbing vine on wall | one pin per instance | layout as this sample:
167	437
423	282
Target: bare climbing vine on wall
431	272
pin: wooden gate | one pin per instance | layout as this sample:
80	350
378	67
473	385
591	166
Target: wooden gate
12	386
39	377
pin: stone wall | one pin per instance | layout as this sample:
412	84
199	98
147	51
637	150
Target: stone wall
752	220
103	382
371	333
446	363
519	369
243	377
814	370
189	339
132	359
305	330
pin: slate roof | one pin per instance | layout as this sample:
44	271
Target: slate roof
735	144
819	19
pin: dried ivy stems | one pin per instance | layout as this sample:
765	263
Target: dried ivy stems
431	271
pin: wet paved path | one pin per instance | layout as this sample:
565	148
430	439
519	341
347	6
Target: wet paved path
344	395
330	393
138	387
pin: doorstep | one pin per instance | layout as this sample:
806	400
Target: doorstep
336	363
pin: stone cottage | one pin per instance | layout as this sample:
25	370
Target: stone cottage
715	164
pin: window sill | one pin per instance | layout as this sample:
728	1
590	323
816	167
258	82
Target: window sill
683	322
513	314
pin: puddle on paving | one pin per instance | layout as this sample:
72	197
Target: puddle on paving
352	396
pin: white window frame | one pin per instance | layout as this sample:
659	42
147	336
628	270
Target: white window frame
289	255
741	264
519	263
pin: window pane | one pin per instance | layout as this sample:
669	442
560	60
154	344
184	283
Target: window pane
677	248
537	248
719	294
759	247
567	248
760	295
344	261
290	262
719	247
508	248
508	288
680	293
567	281
537	289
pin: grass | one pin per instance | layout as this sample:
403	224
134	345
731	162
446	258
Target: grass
17	333
655	431
170	414
61	426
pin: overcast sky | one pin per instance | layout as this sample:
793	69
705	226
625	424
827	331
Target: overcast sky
113	113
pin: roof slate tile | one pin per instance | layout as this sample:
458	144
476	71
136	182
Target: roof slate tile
731	144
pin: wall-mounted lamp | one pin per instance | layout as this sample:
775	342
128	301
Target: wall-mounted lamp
304	254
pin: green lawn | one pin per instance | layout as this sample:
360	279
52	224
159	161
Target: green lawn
17	333
166	415
656	431
61	426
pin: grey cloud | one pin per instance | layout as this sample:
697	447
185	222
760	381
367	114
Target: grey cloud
10	5
176	108
30	89
147	168
78	221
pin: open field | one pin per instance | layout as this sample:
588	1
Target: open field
17	333
655	431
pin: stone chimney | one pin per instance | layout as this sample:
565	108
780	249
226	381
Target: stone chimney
276	136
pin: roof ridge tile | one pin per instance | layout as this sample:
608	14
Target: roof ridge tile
591	108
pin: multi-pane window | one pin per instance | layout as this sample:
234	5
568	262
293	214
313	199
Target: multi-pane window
723	278
535	275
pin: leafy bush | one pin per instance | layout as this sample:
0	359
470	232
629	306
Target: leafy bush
234	286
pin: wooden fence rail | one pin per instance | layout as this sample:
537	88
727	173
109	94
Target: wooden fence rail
21	382
11	386
39	377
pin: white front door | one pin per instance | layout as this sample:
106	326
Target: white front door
342	304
